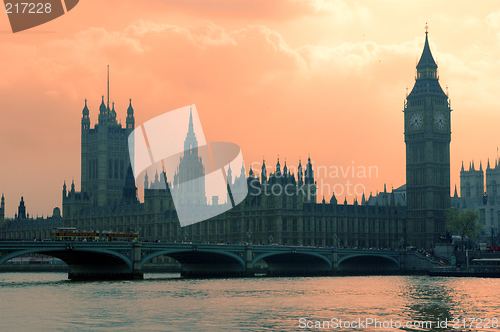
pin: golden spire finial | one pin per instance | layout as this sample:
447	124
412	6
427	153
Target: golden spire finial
426	27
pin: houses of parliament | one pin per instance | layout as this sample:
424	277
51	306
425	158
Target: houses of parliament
412	215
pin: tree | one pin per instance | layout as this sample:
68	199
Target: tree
465	223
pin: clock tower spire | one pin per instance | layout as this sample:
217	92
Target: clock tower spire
427	128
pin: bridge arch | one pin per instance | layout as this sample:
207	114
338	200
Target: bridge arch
18	253
368	262
202	262
268	254
294	263
81	260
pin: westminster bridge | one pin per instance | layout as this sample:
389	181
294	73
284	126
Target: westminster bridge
124	260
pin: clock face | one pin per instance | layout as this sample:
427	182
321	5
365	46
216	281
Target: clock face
416	121
440	120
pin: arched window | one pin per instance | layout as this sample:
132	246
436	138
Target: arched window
116	168
121	169
110	169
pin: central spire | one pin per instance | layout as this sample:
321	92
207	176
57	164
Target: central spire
191	142
191	129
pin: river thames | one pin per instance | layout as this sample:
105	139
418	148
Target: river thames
164	302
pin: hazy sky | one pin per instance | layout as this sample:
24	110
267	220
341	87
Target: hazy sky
287	77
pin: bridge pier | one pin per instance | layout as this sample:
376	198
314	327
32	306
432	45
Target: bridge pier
335	260
249	271
136	262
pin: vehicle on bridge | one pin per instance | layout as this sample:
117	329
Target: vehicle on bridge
73	234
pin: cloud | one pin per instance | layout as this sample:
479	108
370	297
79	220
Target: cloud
493	20
344	12
280	10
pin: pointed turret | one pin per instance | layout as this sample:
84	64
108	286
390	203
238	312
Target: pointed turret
113	113
263	173
157	181
363	200
130	122
309	174
278	167
85	110
456	193
85	117
102	107
21	210
103	113
299	172
242	170
488	166
462	166
333	200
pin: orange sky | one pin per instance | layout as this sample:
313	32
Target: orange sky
287	77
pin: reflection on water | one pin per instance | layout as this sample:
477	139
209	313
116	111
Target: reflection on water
163	302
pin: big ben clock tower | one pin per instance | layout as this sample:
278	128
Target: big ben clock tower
427	116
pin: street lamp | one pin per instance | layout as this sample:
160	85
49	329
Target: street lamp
271	239
185	236
335	240
402	241
249	234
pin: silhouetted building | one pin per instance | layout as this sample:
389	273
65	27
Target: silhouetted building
281	207
106	178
